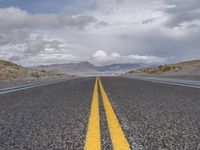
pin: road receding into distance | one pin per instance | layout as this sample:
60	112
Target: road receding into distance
100	113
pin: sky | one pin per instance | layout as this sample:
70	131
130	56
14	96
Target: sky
35	32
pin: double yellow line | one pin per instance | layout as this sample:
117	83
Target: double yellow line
93	137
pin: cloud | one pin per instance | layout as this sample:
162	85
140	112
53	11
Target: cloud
13	36
182	11
122	30
45	59
34	46
15	18
150	20
100	57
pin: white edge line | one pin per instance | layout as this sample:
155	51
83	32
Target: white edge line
180	84
28	86
167	82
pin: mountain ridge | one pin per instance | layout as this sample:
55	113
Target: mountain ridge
87	67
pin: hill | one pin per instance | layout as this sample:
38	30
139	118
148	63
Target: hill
186	68
10	71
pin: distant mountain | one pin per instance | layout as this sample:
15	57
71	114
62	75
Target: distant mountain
88	68
10	71
81	67
119	67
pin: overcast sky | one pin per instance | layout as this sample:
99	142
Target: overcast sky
34	32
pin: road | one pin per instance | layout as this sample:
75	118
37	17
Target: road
113	112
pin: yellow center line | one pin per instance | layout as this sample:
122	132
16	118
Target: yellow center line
118	138
93	140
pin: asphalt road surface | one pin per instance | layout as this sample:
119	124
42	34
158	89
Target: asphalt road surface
110	113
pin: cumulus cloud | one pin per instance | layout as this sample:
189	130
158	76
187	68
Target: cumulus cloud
100	57
37	47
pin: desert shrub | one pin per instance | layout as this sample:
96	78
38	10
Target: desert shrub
35	74
179	67
43	71
167	68
154	71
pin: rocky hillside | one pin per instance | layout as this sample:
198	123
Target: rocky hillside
186	68
10	71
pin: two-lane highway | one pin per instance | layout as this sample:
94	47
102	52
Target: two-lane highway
100	114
